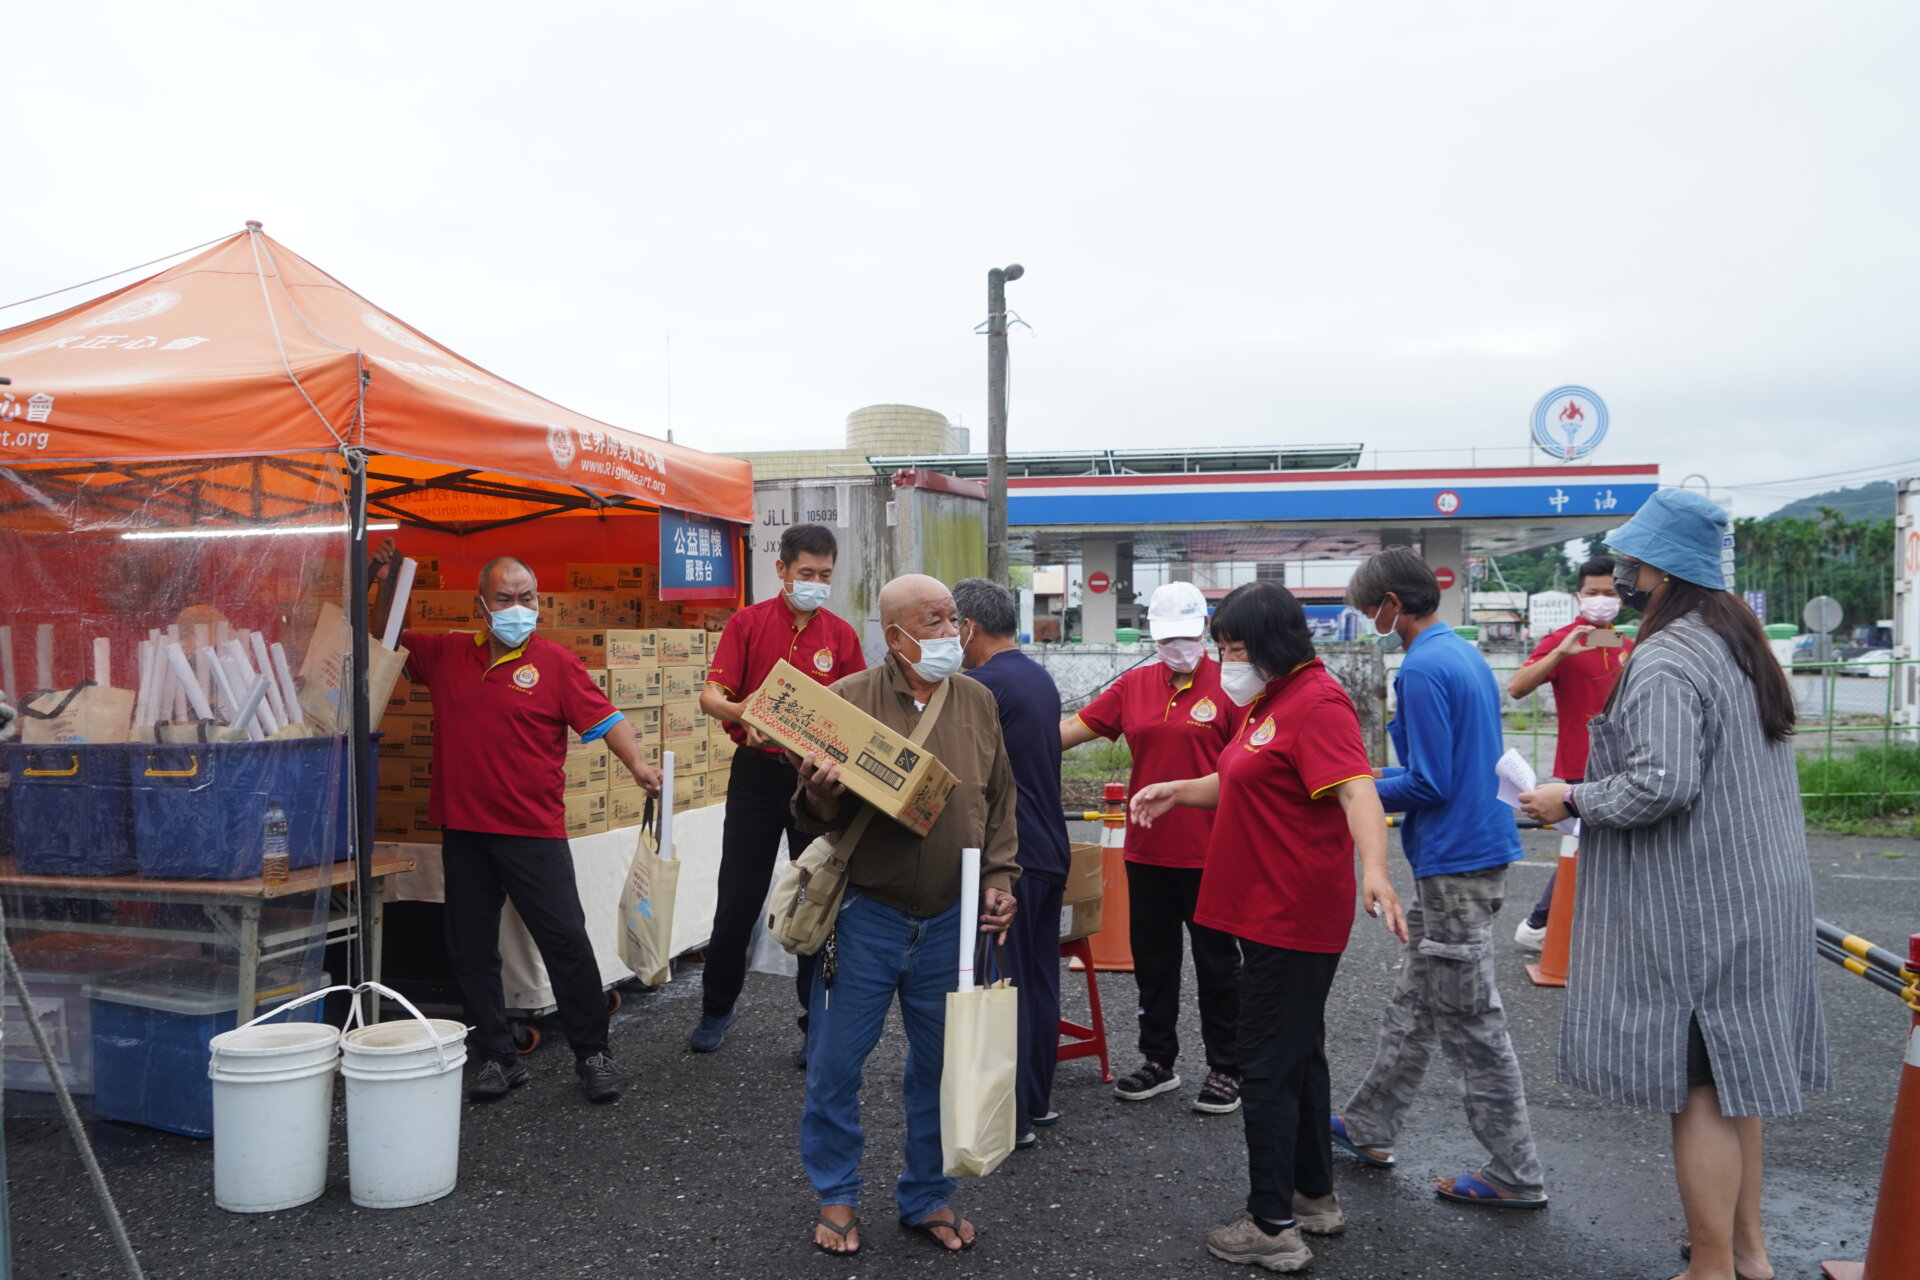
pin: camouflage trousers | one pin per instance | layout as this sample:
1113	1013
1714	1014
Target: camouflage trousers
1446	997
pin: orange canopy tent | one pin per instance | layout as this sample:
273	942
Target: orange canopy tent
248	351
245	389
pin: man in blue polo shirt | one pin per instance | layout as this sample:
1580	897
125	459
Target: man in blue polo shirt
1459	837
1029	705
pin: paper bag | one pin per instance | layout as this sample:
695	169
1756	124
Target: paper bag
977	1082
646	907
324	693
85	713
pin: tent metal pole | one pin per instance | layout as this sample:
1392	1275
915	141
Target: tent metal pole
359	761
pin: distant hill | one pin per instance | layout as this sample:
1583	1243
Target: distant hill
1868	502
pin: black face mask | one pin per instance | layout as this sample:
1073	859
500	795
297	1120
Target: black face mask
1624	576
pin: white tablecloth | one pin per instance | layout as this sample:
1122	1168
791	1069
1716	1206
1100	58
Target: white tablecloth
600	865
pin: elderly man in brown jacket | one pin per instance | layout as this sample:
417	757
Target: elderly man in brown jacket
898	929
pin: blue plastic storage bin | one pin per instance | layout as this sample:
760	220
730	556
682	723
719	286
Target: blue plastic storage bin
199	808
72	809
151	1031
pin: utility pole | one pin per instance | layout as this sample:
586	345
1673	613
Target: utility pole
997	420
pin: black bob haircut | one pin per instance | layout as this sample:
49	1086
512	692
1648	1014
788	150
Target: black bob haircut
1598	567
813	539
1265	618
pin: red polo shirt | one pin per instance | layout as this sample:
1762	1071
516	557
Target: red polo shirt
1581	685
758	636
1280	868
500	730
1175	726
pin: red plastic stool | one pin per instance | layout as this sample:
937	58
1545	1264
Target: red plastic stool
1077	1041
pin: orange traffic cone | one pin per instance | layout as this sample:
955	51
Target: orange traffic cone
1112	947
1893	1248
1551	969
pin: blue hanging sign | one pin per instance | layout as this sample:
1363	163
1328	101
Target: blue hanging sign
697	558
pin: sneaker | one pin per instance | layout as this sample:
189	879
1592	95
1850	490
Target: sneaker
711	1033
1530	938
600	1080
1026	1141
1319	1215
1220	1095
1046	1121
1243	1241
1150	1079
495	1079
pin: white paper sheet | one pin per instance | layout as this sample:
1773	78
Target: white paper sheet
1516	779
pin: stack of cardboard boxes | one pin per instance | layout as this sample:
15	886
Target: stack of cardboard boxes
645	654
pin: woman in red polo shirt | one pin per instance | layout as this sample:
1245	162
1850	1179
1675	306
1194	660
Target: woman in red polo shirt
1292	798
1175	720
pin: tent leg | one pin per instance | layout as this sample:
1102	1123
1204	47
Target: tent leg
359	761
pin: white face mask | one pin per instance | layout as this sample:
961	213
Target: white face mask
1599	610
1182	655
940	657
1241	681
808	596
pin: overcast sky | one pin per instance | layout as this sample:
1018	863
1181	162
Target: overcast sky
1395	224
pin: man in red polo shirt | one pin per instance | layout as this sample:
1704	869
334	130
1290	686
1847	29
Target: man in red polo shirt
1175	721
794	627
503	701
1582	670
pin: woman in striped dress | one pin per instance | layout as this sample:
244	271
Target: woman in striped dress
1692	988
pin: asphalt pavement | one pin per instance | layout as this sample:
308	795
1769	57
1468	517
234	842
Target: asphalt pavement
696	1173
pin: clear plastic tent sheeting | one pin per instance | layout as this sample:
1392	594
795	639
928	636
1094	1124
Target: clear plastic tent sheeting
177	814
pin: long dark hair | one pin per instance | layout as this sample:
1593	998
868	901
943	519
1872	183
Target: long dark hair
1728	616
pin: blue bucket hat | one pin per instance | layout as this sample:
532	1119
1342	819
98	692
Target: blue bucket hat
1678	532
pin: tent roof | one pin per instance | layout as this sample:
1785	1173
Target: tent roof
248	350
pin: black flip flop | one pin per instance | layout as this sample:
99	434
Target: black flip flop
840	1230
931	1227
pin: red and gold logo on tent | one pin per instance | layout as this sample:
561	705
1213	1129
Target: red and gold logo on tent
1204	711
1263	735
526	677
823	661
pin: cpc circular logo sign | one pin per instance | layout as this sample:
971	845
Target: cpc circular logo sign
145	307
526	677
823	661
1569	422
1204	711
1263	735
560	444
1446	502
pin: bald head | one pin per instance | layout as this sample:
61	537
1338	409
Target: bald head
912	595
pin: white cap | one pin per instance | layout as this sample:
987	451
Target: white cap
1177	611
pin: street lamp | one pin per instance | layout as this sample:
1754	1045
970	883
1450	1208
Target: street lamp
997	419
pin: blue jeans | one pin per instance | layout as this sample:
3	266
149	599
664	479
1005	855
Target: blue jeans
881	952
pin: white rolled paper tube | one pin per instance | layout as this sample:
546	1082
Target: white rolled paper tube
287	687
257	722
402	589
7	684
211	668
264	665
202	636
43	656
251	706
666	805
969	913
102	662
143	692
188	682
222	632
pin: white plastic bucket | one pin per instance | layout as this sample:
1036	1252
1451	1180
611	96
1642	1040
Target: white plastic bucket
403	1108
272	1111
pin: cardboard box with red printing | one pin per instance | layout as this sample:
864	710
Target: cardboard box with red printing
903	781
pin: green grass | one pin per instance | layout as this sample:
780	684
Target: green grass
1872	789
1096	761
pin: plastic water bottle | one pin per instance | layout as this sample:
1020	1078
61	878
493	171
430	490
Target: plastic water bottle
274	867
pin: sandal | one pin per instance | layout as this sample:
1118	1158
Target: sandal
841	1229
1370	1156
930	1226
1469	1189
